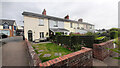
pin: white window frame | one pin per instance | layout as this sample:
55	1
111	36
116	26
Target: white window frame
56	24
41	22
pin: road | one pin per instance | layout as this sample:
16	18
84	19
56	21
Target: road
14	53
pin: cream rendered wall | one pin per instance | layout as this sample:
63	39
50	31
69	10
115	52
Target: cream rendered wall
81	25
1	27
67	26
31	23
10	27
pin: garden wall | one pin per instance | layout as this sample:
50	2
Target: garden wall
83	57
100	51
80	58
32	55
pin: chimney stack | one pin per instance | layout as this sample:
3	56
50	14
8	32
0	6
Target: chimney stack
81	20
66	17
44	12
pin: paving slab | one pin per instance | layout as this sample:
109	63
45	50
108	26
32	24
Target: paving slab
39	54
40	50
47	55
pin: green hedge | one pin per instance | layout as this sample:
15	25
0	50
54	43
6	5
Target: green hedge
113	34
75	42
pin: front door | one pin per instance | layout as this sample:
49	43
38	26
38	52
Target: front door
30	35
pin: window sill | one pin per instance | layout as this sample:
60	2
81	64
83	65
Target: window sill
40	25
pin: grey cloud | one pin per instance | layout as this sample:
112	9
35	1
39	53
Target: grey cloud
102	14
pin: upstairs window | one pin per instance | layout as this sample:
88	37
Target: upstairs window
55	23
90	27
5	26
41	22
71	25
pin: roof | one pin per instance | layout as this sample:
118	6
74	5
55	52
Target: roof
59	30
85	23
46	16
9	22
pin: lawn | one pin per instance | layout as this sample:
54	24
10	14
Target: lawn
50	48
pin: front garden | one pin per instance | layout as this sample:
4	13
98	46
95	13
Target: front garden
48	51
64	44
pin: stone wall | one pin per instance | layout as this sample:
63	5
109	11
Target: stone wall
80	58
32	55
100	51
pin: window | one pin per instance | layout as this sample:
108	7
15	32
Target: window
71	25
55	23
77	25
90	27
5	26
41	34
14	27
41	22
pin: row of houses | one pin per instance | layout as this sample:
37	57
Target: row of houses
40	26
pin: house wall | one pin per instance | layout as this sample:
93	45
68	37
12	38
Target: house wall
31	23
52	23
1	27
67	26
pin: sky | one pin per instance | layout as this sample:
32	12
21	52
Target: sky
101	13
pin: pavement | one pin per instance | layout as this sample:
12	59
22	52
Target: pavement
109	61
14	53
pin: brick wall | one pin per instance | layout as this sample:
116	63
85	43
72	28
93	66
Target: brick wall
32	56
100	51
79	58
82	58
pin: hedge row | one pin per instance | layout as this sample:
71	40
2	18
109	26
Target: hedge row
74	42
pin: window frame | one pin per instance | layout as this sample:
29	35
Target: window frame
41	34
41	22
71	25
56	23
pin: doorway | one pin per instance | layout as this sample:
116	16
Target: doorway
30	35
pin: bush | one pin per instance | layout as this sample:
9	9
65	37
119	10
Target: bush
89	34
113	34
114	29
76	34
58	33
101	39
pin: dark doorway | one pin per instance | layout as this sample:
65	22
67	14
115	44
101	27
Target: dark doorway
30	35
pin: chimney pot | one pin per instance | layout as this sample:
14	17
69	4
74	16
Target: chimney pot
66	17
44	12
81	20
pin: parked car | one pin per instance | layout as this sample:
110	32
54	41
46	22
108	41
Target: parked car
3	35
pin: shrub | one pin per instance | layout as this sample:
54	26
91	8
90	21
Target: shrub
114	29
89	34
117	50
58	33
113	34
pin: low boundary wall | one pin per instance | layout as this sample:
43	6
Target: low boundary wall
34	60
100	51
83	57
